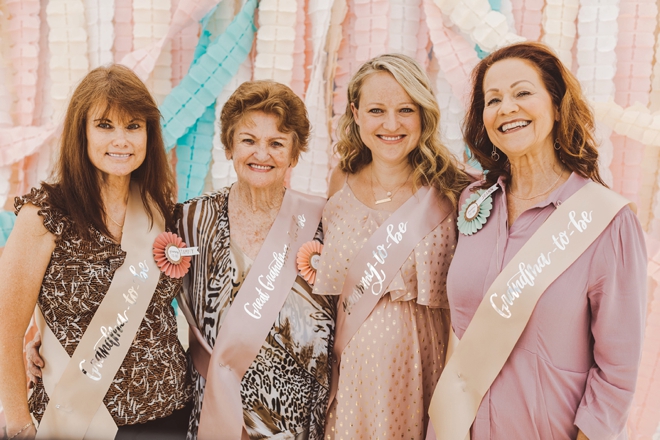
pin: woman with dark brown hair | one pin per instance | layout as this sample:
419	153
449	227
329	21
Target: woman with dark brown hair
82	252
547	288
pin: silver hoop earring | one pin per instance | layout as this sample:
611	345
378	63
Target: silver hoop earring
494	154
556	145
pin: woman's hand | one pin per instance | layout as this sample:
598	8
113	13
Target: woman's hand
34	361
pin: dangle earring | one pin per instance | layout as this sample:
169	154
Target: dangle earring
557	148
494	154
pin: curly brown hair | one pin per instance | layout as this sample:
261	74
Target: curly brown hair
75	188
573	131
271	98
432	163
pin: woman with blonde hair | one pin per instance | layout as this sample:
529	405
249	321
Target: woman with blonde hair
389	230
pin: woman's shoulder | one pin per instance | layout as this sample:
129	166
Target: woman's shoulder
218	196
54	219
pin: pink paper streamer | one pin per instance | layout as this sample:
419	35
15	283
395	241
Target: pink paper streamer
183	49
347	64
634	51
456	56
371	28
423	40
142	61
24	29
18	142
528	15
123	28
404	20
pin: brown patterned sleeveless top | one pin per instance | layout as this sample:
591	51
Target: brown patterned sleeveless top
152	381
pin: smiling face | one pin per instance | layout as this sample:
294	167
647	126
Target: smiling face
390	122
116	145
519	115
260	152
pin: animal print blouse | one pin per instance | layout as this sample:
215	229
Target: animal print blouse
285	390
152	380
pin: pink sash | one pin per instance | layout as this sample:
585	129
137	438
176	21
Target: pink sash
251	317
378	261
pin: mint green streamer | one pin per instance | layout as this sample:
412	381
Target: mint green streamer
207	77
7	220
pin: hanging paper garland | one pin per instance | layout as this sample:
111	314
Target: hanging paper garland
194	148
299	71
7	220
123	21
183	48
143	61
559	28
151	19
404	21
189	100
456	56
99	15
223	172
371	28
276	40
24	26
6	98
310	173
487	28
528	15
68	47
346	63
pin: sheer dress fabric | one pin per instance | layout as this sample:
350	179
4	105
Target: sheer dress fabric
575	364
285	390
152	381
390	367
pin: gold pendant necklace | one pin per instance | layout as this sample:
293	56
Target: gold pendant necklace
389	194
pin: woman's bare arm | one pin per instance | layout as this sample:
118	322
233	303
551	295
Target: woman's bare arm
23	262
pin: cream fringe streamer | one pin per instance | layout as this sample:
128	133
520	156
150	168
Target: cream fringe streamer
151	21
559	28
99	15
68	48
299	52
310	173
487	28
404	24
276	40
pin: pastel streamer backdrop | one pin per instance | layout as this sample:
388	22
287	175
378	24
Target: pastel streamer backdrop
192	54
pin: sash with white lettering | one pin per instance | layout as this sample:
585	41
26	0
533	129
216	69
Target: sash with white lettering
252	314
508	305
76	386
378	261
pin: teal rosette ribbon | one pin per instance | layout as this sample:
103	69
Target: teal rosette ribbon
475	211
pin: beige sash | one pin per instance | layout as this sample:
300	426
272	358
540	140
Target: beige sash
508	304
251	316
378	261
76	386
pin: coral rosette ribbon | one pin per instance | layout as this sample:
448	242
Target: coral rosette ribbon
307	260
168	257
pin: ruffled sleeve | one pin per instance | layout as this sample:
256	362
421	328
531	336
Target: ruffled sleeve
55	221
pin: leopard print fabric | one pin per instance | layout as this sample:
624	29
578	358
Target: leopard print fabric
285	390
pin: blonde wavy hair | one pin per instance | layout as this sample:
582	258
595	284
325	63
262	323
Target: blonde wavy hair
431	161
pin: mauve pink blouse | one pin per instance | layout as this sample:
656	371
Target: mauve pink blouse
575	364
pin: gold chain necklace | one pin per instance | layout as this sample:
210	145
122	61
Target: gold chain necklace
390	194
114	221
540	194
